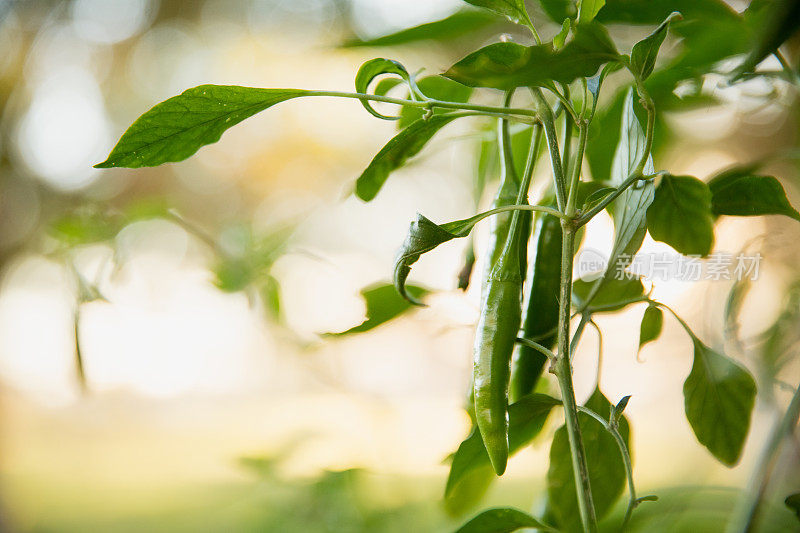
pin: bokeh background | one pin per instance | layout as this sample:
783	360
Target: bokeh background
197	294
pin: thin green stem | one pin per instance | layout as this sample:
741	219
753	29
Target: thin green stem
745	517
789	74
510	111
682	322
79	366
575	177
633	178
536	346
519	207
563	371
599	352
626	458
548	123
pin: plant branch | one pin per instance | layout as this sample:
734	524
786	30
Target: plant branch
548	122
626	458
562	368
583	129
650	107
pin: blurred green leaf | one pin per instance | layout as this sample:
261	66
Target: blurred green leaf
526	419
176	128
588	9
383	304
719	396
501	520
438	88
86	226
514	10
650	328
370	70
558	10
397	151
645	52
508	65
781	21
680	215
606	469
738	192
465	22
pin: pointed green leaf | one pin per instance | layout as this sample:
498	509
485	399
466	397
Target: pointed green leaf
508	65
588	9
616	413
514	10
176	128
606	469
502	520
650	328
719	396
645	52
526	417
371	70
680	215
465	22
397	151
561	37
383	304
438	88
740	193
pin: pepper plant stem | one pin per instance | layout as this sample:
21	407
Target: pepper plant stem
563	371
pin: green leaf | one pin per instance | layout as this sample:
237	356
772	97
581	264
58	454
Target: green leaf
509	65
372	69
606	469
792	501
423	236
719	396
176	128
618	409
631	206
86	226
588	9
526	417
438	88
383	304
514	10
650	328
613	295
460	23
397	151
680	215
645	52
501	520
740	193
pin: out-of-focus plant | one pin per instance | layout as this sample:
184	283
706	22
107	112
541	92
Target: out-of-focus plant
550	90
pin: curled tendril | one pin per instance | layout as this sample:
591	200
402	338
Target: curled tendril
374	68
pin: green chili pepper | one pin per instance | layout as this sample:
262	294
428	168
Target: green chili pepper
541	307
501	308
498	326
